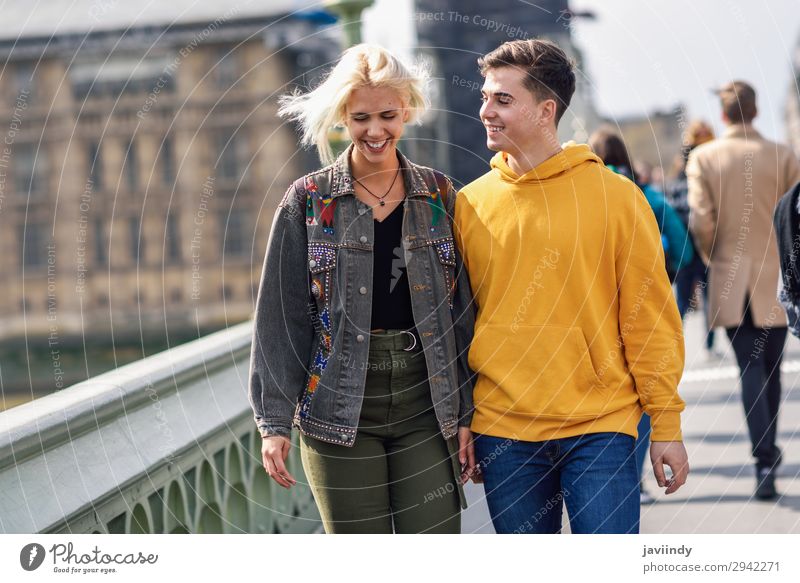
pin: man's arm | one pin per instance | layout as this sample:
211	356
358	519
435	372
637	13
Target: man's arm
702	211
652	340
649	323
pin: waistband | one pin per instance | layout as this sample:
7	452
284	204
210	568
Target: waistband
405	340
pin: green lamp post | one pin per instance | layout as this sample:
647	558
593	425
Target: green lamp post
349	12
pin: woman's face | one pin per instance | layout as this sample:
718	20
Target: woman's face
374	117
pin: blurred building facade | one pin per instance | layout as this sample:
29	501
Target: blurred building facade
656	138
140	168
452	35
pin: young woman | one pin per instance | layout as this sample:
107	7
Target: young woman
364	315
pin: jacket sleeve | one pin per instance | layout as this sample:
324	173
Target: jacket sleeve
283	330
649	323
463	320
702	211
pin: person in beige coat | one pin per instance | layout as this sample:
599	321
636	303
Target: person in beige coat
735	183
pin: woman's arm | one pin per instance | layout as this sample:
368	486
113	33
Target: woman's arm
283	330
463	313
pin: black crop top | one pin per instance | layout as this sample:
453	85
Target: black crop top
391	297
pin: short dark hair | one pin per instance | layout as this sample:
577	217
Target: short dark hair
549	73
738	101
608	145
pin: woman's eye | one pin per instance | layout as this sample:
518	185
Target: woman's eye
504	101
360	118
484	98
389	116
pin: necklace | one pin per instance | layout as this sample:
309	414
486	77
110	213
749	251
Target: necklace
380	198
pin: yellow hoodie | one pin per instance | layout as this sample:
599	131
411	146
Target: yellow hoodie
577	329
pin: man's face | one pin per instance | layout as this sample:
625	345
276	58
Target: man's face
514	120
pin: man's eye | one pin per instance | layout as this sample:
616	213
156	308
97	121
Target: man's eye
389	116
484	98
504	101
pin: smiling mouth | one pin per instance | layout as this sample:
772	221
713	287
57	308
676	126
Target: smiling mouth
493	129
376	146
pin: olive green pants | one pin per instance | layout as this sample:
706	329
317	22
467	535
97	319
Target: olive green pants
400	475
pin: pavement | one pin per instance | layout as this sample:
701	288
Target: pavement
717	498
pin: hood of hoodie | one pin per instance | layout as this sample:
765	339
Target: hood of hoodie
572	158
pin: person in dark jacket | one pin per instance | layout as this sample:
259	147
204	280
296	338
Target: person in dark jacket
787	230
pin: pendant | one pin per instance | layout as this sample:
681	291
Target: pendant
383	203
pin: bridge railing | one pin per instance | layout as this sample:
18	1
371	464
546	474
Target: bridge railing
166	444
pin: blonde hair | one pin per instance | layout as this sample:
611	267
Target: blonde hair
698	132
363	65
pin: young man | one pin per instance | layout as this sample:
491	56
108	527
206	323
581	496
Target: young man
577	330
735	184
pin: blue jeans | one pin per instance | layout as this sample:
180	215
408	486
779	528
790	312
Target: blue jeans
685	282
642	444
594	475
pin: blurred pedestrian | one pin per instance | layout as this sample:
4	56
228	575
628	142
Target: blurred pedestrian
735	183
692	276
678	249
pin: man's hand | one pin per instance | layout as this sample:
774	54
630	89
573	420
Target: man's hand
673	454
466	454
274	451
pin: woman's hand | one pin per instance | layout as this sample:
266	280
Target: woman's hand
466	455
274	451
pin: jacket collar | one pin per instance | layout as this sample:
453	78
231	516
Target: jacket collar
343	176
741	130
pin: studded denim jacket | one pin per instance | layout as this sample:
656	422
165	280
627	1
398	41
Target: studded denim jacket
311	337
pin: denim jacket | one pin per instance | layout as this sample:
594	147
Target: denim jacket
312	322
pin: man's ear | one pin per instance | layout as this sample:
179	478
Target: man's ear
547	112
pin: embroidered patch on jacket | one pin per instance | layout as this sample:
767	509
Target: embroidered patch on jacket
437	208
447	251
447	256
327	208
311	188
317	290
320	361
323	255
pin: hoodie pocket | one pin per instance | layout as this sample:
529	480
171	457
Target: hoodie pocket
543	371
